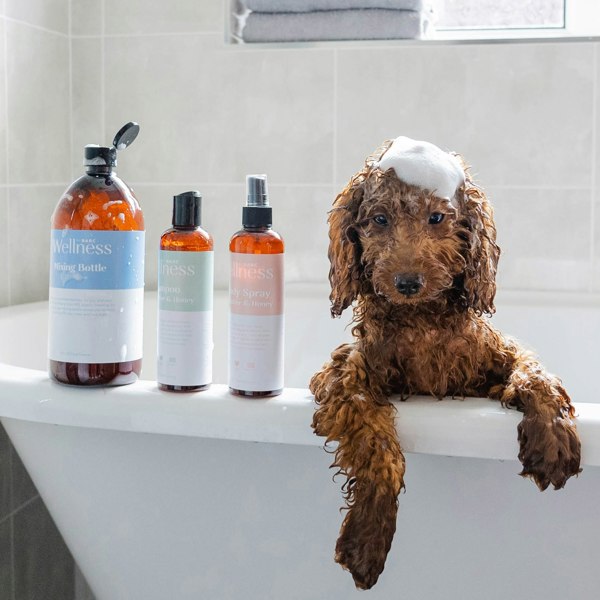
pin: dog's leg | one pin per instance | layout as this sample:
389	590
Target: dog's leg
550	450
354	412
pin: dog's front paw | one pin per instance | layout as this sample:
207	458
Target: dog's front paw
550	450
366	537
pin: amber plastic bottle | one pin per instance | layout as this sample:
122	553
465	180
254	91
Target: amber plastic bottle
256	319
97	275
185	300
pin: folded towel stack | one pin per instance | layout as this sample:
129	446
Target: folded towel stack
314	20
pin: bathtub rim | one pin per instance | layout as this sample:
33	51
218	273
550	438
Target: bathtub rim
473	427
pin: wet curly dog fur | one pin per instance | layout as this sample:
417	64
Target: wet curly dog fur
420	271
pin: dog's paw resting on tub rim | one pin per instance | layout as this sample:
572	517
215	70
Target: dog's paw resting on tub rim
413	249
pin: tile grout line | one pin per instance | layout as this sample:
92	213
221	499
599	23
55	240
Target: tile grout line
138	35
13	585
38	27
16	511
31	185
11	522
11	518
335	116
70	26
7	129
228	184
594	166
103	66
70	41
293	184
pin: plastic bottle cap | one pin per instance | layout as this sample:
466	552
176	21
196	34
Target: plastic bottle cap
187	209
103	156
99	156
126	135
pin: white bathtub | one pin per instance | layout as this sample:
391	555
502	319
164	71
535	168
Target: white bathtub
207	496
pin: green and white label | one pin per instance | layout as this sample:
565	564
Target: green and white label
185	317
185	280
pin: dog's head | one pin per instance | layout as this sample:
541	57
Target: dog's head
408	245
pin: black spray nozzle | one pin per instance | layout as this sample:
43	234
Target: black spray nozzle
257	212
257	190
187	209
103	157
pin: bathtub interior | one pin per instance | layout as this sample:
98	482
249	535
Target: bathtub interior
564	331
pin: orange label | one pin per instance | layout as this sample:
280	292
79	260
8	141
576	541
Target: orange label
256	286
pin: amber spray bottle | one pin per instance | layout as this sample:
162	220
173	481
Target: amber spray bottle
185	300
256	319
97	275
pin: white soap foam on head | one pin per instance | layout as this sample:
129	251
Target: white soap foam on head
424	165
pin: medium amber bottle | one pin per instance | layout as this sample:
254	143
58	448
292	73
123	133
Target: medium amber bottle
185	300
256	317
97	275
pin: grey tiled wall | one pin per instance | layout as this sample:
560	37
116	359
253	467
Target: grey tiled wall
524	115
34	561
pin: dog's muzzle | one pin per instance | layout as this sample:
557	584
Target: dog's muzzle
408	284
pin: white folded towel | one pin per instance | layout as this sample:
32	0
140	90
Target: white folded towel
310	5
366	24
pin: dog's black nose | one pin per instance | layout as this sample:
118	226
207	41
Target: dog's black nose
408	283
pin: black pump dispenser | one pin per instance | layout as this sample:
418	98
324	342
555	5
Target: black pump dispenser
102	159
257	212
187	209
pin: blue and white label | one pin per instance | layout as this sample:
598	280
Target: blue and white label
96	296
97	260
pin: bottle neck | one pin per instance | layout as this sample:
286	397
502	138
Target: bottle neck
186	227
100	171
257	228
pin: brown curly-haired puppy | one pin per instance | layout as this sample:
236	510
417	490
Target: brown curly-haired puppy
421	271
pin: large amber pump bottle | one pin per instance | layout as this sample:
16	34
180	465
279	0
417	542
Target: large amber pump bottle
97	275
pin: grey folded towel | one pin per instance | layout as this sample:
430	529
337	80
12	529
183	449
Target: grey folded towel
310	5
366	24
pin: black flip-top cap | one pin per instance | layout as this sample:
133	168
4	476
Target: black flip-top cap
187	209
101	157
126	135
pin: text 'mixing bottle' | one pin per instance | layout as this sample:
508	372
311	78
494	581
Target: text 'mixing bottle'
97	275
185	300
256	318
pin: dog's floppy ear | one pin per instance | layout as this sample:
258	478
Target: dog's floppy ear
344	242
482	252
344	246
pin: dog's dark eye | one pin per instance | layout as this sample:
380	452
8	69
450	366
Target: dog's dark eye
435	218
380	219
